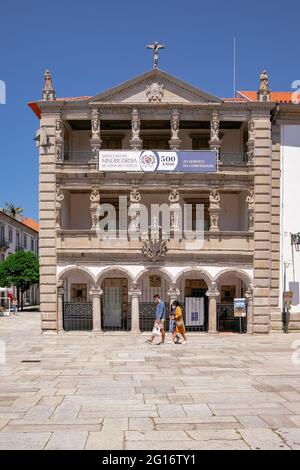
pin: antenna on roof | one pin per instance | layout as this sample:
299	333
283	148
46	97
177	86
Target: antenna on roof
234	66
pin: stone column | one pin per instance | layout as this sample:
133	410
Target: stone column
95	141
214	142
60	306
175	142
262	265
47	214
136	142
173	293
214	210
96	300
248	297
59	200
135	293
95	201
250	207
276	320
212	294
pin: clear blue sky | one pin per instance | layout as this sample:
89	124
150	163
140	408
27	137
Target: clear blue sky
92	45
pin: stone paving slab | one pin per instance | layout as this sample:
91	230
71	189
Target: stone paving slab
116	392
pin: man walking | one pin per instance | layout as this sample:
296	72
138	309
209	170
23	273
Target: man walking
160	319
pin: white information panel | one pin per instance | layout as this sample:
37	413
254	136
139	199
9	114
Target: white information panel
194	311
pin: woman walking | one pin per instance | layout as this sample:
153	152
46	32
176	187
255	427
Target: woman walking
179	325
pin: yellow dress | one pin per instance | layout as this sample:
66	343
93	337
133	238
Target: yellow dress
179	328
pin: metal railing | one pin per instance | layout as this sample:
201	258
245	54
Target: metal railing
78	316
79	156
231	159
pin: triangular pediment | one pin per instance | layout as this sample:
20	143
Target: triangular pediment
153	87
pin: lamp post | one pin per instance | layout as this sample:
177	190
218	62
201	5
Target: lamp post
285	310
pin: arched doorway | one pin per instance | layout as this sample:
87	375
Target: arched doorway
231	285
115	306
193	286
77	307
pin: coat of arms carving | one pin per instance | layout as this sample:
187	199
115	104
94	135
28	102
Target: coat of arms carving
154	92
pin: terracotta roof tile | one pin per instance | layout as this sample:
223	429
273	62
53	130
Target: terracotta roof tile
276	96
31	224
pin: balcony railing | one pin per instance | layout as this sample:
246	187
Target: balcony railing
233	159
85	156
78	156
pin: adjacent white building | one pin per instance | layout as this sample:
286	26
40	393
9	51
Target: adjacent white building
19	235
290	218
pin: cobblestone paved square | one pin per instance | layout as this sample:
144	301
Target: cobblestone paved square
81	391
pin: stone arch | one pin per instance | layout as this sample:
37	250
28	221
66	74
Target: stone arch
240	273
203	273
76	268
154	270
113	270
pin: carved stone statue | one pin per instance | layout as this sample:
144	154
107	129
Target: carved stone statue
59	196
135	196
59	139
95	124
95	196
264	82
214	199
251	130
59	199
174	196
250	199
135	125
214	127
175	126
154	92
155	46
48	93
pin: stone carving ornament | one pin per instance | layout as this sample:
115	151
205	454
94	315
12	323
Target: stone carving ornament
214	199
264	81
95	196
215	127
250	199
135	125
59	139
135	196
174	196
95	124
251	130
175	126
154	92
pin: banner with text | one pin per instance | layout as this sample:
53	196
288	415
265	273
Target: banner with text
186	161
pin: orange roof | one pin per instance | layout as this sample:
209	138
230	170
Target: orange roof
31	224
276	96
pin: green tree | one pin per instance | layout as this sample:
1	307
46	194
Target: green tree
11	210
20	269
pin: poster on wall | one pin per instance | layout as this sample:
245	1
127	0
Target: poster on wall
194	311
239	310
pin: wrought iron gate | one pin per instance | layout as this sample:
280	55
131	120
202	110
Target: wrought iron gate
78	316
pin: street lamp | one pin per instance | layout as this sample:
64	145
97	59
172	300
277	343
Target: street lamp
295	240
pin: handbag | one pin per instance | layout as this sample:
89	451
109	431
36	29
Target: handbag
156	330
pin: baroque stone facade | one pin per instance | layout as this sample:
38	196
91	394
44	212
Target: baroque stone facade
239	256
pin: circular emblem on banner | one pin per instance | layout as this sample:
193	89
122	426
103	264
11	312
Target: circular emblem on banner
148	161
